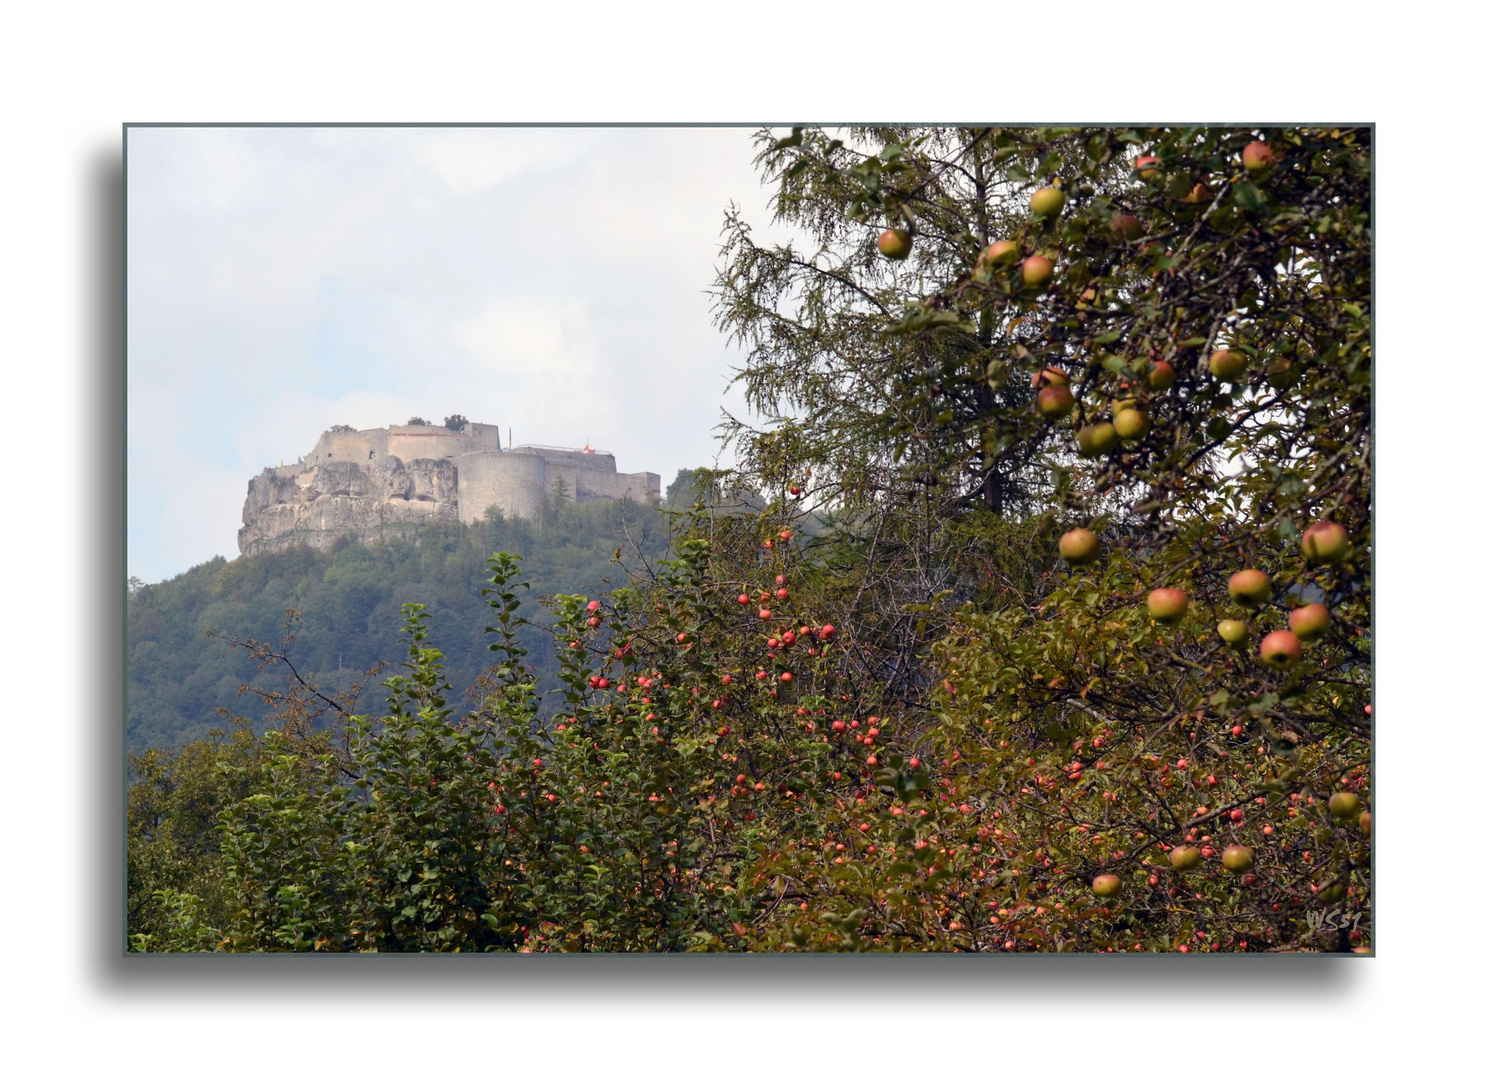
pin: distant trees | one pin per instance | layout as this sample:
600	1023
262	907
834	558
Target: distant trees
455	422
349	600
417	421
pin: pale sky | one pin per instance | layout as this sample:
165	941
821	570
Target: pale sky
548	280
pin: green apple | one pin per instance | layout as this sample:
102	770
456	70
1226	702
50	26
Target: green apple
1047	201
1233	632
1280	374
1132	424
1344	804
1127	226
1107	885
1095	440
1185	857
1237	858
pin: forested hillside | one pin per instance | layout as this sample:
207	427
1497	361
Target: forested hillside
349	600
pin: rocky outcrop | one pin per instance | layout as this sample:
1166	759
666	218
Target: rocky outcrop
380	482
314	504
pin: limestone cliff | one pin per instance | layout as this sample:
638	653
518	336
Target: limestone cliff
316	503
389	481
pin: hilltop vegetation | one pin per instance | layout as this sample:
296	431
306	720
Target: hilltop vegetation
349	600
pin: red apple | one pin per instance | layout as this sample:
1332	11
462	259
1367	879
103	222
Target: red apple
1279	649
1161	376
1037	270
1080	547
1000	252
1250	587
1128	226
1047	201
1167	605
895	243
1050	377
1054	402
1257	156
1365	822
1228	364
1143	165
1310	622
1199	193
1325	542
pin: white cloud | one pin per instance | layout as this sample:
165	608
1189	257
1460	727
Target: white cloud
542	353
471	160
283	280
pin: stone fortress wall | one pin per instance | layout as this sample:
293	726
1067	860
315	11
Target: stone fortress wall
384	481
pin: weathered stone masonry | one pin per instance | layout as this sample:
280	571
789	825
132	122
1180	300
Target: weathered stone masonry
386	481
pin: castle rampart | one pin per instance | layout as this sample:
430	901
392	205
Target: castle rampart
388	481
514	482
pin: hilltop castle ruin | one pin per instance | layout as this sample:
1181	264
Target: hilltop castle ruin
385	481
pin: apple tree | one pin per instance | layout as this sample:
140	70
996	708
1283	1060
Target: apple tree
1186	669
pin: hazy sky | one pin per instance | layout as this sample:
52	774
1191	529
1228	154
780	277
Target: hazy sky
281	281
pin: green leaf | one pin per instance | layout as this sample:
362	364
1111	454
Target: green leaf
1248	196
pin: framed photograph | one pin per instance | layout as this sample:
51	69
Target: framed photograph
711	539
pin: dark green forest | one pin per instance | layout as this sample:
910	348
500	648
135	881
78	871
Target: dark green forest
349	604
